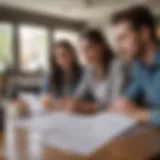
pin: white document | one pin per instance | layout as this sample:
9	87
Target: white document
78	134
55	121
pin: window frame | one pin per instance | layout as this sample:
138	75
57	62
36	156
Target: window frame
12	39
17	17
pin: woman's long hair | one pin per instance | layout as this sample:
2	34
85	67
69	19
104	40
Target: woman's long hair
57	74
97	37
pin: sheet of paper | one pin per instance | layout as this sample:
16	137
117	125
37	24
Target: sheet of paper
78	134
55	121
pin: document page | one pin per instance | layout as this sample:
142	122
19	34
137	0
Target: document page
78	134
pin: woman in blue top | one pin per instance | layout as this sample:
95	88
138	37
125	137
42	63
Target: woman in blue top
65	73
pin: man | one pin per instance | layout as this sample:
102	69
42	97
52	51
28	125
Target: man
135	35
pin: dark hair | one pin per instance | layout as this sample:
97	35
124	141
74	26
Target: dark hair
57	74
138	16
96	36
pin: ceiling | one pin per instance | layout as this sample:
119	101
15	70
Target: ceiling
87	10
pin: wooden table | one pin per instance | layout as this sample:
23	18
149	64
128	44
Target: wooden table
141	145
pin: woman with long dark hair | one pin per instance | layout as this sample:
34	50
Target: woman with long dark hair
103	79
64	75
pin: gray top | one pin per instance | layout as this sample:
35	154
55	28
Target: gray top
104	91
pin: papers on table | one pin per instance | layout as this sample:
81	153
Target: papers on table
78	134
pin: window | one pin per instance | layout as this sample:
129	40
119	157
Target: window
33	49
6	48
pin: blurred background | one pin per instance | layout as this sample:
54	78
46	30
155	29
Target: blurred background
28	28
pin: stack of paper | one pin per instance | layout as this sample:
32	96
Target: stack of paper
78	134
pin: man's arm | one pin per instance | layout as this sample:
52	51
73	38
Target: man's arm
127	104
141	114
128	107
149	116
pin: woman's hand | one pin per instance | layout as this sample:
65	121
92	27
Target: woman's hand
19	108
60	104
73	105
70	104
81	107
47	102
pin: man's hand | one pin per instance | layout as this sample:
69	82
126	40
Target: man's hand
123	106
130	109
